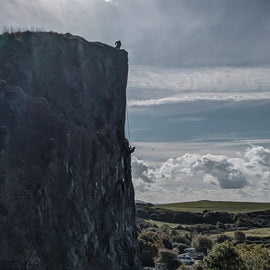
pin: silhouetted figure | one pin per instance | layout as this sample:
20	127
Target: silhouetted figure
128	148
118	44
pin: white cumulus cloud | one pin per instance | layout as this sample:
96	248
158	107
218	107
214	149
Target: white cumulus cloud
202	174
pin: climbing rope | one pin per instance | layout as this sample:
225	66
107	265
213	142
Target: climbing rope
128	124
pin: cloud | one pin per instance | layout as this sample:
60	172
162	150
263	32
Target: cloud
258	156
213	169
205	174
141	170
235	97
157	32
217	79
197	84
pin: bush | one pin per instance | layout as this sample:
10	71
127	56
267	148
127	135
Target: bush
200	228
166	230
220	225
256	257
166	242
190	267
150	243
239	236
181	239
183	267
222	238
169	257
179	247
224	257
202	243
239	215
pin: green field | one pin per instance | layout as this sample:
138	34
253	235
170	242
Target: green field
160	223
260	232
221	206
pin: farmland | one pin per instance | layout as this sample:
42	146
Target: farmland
218	206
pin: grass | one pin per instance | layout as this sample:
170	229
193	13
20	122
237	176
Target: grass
160	223
258	232
16	30
221	206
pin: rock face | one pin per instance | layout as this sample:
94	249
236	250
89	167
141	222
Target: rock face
66	196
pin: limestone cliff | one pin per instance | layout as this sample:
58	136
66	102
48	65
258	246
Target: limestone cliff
66	196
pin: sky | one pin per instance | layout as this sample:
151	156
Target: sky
198	89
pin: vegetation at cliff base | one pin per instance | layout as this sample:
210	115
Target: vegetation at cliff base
224	257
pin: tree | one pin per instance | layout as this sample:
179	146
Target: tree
224	256
255	256
220	225
240	236
150	242
181	238
202	243
169	258
222	238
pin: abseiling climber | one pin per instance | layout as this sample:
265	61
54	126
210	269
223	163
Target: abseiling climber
128	148
131	149
118	44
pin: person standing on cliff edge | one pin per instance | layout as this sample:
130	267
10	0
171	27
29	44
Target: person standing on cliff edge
117	44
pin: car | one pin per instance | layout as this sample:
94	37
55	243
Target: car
193	253
186	259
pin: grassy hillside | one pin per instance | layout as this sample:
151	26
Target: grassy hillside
260	232
221	206
160	223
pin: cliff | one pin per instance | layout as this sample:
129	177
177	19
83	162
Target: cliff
66	195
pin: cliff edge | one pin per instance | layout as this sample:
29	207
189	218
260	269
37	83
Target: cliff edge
66	195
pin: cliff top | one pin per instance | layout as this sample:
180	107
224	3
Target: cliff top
74	76
22	35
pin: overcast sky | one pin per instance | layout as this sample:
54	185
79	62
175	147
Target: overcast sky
158	32
198	90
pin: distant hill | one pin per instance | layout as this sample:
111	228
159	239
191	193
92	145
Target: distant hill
220	206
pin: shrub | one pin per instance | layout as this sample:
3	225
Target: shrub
202	243
255	256
169	257
183	267
150	243
181	239
239	215
166	242
203	227
179	247
220	225
190	267
239	236
16	30
224	257
166	230
142	225
222	238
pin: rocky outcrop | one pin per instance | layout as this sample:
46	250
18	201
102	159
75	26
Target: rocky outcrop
66	195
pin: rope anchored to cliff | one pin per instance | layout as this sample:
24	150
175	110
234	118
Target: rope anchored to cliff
128	124
128	147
